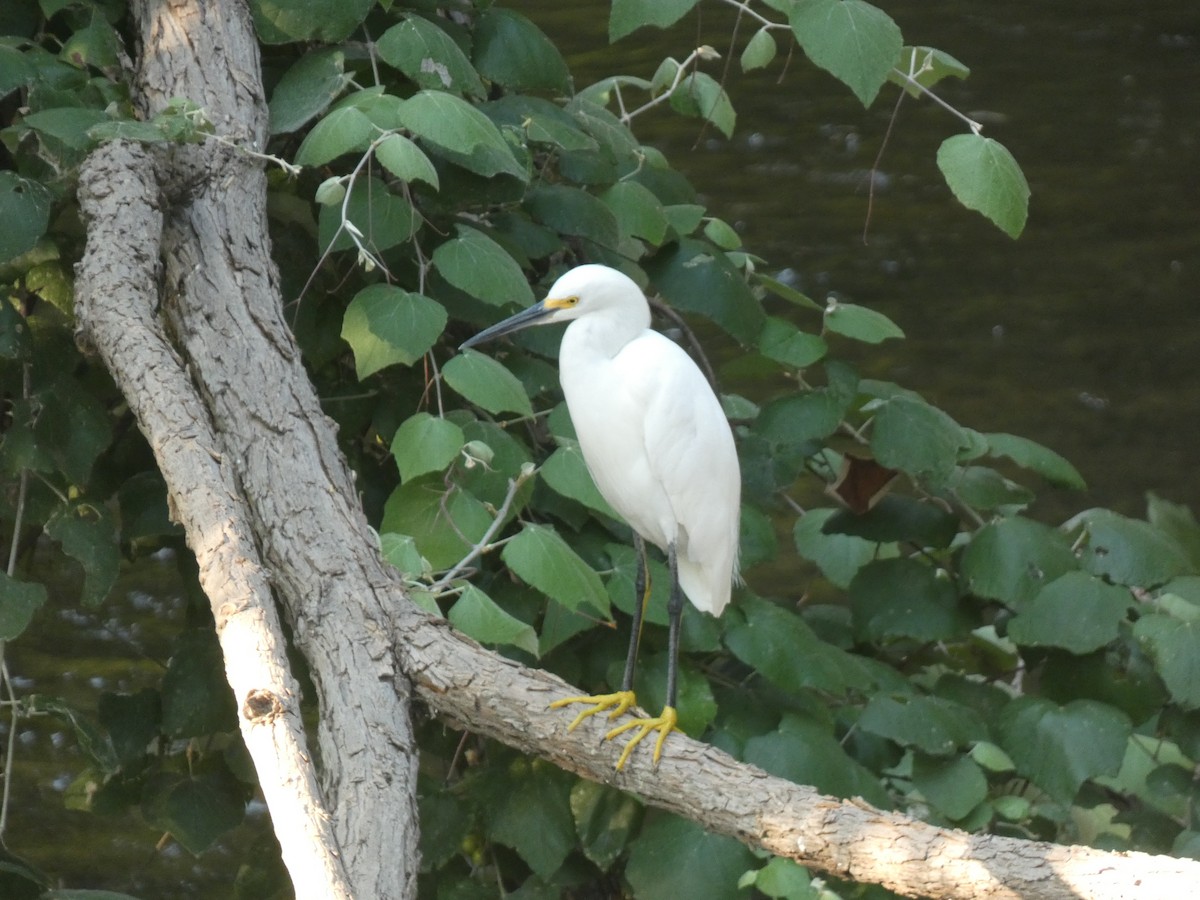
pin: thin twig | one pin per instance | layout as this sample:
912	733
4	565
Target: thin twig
514	485
679	322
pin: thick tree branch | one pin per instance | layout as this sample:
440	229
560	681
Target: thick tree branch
116	298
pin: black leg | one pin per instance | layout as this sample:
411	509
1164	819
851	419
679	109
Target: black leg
675	612
641	588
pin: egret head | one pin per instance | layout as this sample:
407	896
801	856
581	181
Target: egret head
579	292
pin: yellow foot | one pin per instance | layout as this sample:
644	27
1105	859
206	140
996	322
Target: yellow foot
664	725
618	703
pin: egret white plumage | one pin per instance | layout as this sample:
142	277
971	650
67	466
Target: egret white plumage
660	451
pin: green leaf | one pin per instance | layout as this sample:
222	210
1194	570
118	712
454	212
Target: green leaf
444	524
542	121
1013	559
1177	522
25	211
384	219
477	616
570	210
19	600
785	343
638	212
805	752
406	160
307	89
895	598
1060	747
429	57
1128	551
196	811
929	724
918	439
605	820
74	427
926	66
675	857
838	556
542	559
1076	611
344	130
783	879
759	51
1033	456
985	177
461	133
696	277
133	722
898	518
87	534
628	16
425	443
532	814
860	323
69	125
475	263
701	95
953	786
781	647
511	51
196	699
385	325
854	41
330	21
486	383
566	473
1174	645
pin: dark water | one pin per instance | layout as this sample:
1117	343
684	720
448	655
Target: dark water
1084	334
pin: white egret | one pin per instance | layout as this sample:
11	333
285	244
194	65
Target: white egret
660	450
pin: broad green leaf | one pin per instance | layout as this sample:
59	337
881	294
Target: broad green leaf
1127	551
19	600
511	51
429	57
1076	611
985	177
785	343
860	323
1013	559
566	473
838	556
570	210
628	16
929	724
1060	747
675	857
789	293
331	21
638	212
542	121
926	66
307	89
532	814
344	130
15	69
476	264
89	536
1033	456
196	811
984	490
385	325
542	559
701	95
898	598
1177	522
759	51
917	439
401	551
425	443
1174	645
953	786
384	219
801	419
133	722
477	616
74	428
696	277
685	218
805	752
782	879
68	124
784	649
406	160
196	699
461	133
25	211
854	41
605	820
444	524
486	383
898	518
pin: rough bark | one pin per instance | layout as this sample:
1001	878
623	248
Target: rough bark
245	448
